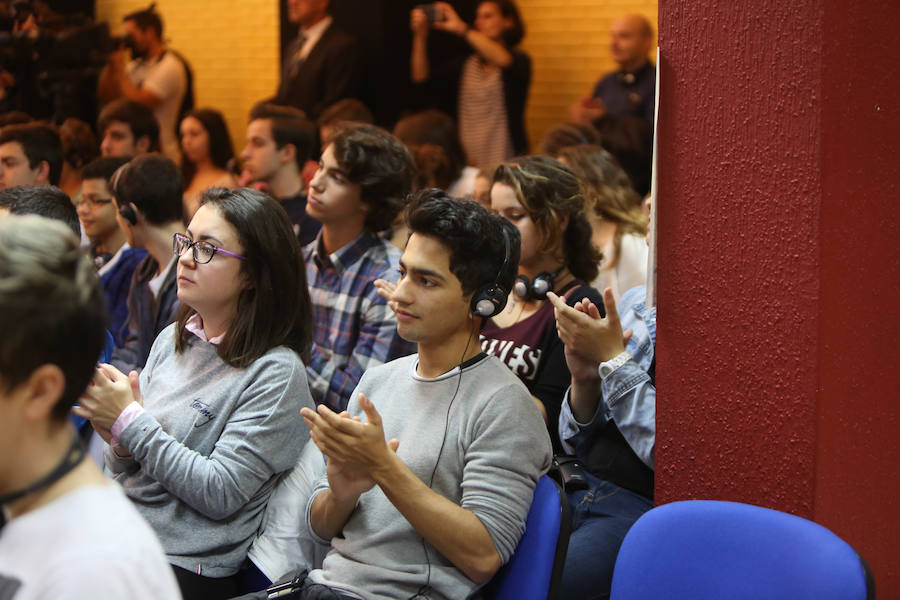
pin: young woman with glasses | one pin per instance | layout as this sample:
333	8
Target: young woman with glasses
199	439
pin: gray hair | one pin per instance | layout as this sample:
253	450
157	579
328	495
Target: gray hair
52	309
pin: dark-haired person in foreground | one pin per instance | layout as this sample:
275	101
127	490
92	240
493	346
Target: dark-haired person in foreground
431	472
42	200
65	531
147	192
199	441
30	154
362	182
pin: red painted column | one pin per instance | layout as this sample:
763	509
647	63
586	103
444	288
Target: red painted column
779	263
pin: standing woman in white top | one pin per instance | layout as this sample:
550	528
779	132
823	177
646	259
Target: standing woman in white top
618	223
199	441
492	83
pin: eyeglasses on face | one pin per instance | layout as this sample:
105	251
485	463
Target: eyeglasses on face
203	251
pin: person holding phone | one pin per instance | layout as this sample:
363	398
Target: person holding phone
491	83
199	439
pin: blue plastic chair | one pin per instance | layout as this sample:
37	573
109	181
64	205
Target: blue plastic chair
535	569
702	549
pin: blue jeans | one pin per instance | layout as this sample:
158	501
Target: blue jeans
601	516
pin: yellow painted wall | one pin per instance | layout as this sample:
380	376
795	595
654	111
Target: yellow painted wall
233	48
568	41
232	45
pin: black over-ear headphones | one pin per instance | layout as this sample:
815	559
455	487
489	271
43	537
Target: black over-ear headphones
489	300
536	290
128	213
126	210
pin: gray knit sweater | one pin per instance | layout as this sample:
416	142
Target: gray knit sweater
209	448
496	448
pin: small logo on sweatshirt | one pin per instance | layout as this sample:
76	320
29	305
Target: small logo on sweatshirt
206	413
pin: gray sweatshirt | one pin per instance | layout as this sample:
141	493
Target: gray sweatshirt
496	448
209	448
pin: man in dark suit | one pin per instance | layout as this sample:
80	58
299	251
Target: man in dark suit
322	65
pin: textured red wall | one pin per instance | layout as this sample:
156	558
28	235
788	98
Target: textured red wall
739	193
857	485
779	276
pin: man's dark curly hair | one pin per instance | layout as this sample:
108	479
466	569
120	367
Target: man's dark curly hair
381	165
475	238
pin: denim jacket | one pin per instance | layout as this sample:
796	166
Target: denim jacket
629	395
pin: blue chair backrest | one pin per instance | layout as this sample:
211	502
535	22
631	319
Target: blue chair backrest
535	569
703	549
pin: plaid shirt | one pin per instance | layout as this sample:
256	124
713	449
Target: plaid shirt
354	327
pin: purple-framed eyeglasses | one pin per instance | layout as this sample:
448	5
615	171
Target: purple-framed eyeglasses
203	251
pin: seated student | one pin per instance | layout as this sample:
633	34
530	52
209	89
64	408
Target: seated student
199	440
79	147
205	153
30	154
563	135
437	130
541	197
115	259
67	531
363	179
280	139
618	223
51	203
147	192
608	421
127	128
348	109
431	473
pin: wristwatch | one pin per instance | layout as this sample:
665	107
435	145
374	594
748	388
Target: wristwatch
606	368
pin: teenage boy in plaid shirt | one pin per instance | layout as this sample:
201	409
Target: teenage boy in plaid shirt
363	180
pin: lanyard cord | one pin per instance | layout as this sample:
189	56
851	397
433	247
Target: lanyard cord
70	460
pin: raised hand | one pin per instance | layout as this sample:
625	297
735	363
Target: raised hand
585	332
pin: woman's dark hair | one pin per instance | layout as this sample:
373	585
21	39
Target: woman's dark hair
79	144
563	135
508	8
474	237
274	308
220	147
428	129
549	191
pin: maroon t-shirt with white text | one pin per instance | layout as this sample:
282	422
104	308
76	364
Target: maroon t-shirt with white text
533	351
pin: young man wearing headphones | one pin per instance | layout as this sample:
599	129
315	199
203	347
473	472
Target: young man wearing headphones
147	192
65	530
431	471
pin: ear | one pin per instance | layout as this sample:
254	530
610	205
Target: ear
42	173
287	154
142	145
42	391
563	223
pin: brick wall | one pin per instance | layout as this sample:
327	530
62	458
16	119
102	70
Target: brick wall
568	41
232	45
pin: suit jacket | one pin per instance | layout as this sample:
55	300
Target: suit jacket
331	72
